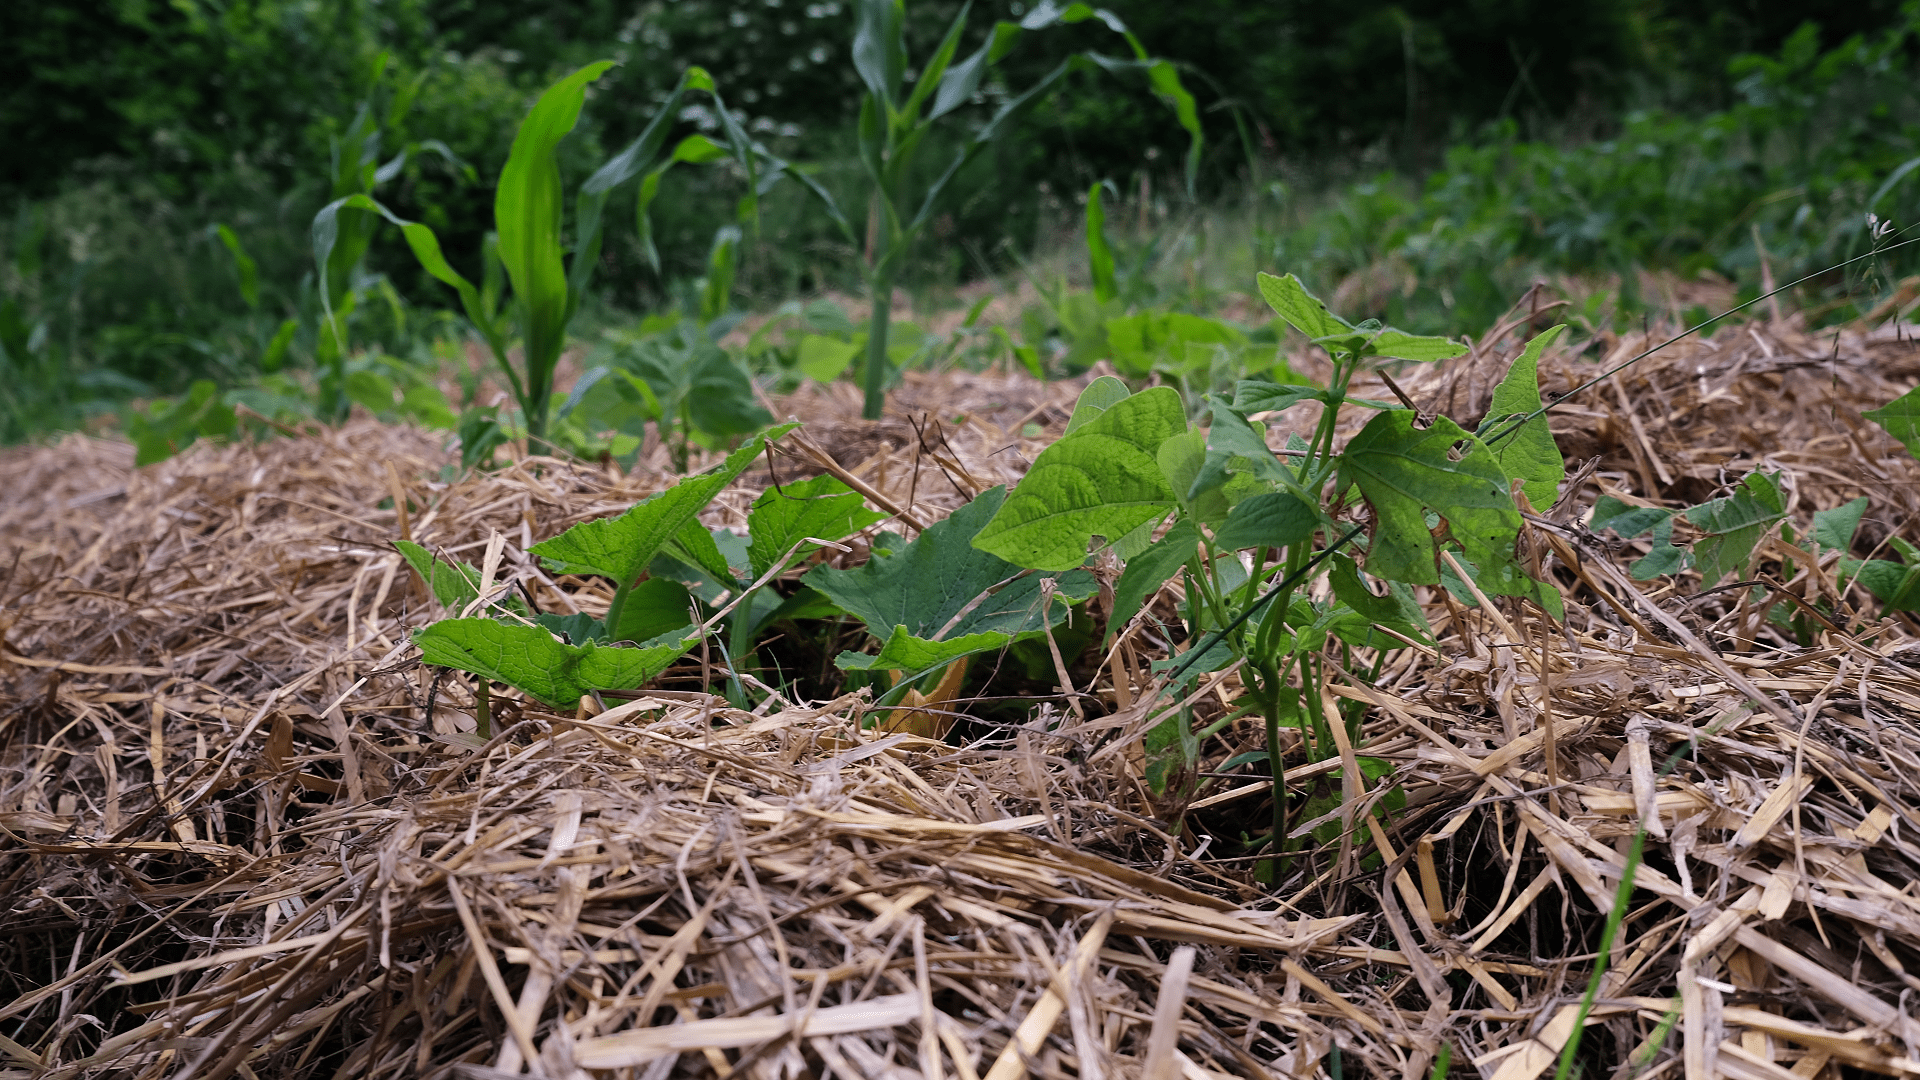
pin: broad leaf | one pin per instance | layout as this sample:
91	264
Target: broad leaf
1101	480
530	658
1100	395
1403	472
929	582
1901	419
824	359
1526	450
654	607
1833	529
1274	519
1302	310
455	584
821	508
1397	610
1235	445
1733	525
621	547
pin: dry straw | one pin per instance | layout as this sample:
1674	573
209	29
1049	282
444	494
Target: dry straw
237	844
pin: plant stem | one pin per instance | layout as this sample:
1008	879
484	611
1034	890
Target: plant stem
876	380
616	607
482	708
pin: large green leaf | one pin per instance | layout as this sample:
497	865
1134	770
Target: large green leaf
1733	525
1404	472
821	508
1901	419
1101	480
1526	450
1303	311
621	547
532	659
527	208
931	586
455	584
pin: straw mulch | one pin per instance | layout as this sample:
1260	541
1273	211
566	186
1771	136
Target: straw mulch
245	835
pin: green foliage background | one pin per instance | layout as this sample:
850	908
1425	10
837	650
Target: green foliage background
1453	150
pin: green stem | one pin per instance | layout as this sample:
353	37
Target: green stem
482	709
616	607
876	379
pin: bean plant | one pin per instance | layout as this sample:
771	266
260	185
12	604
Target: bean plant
1252	534
895	122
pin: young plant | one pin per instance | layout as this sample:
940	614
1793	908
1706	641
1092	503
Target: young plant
943	598
528	219
895	122
648	622
1251	532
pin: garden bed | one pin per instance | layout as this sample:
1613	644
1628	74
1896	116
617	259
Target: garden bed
247	833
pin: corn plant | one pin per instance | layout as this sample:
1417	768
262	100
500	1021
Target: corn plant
895	122
528	217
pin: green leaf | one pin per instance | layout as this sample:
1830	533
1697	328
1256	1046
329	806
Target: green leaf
621	547
824	359
654	607
1397	611
1526	451
1833	529
1897	587
720	399
1403	472
1901	419
1273	519
527	207
1733	525
531	659
1234	445
454	584
1302	310
935	580
1099	254
1404	346
1251	397
243	265
904	652
822	508
1100	395
879	47
1149	570
1627	521
1103	479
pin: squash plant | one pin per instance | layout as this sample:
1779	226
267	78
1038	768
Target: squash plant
1250	530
